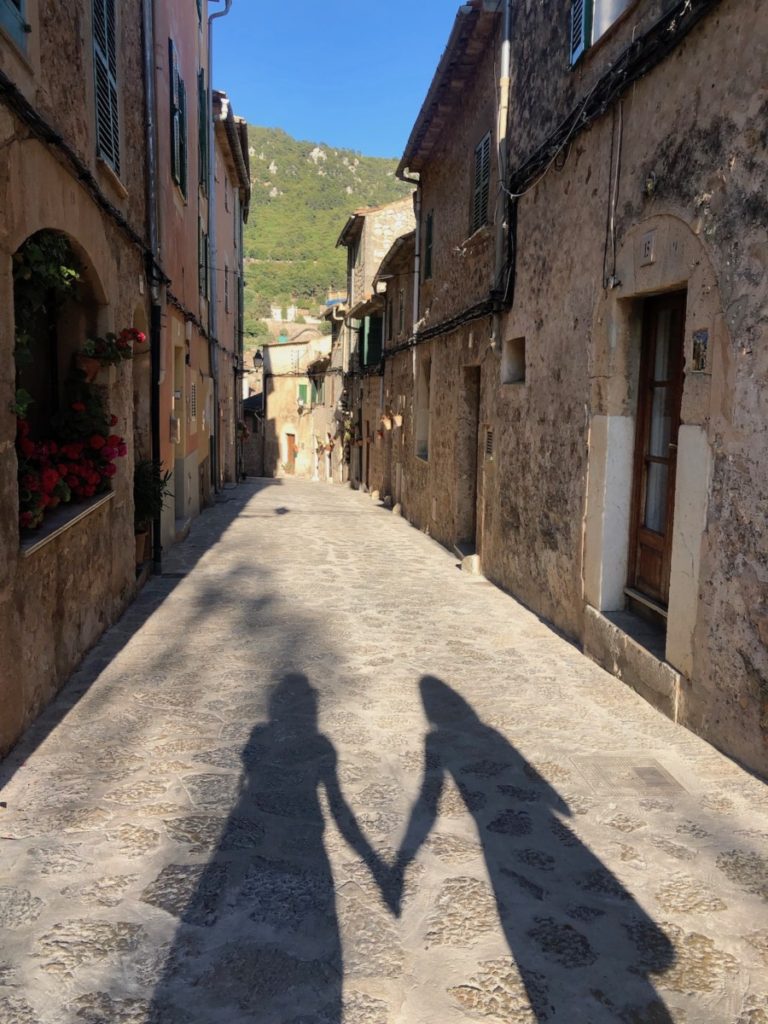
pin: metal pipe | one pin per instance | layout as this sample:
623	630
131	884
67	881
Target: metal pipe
416	246
500	219
213	292
155	284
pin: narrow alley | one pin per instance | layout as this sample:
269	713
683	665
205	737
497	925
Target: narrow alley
317	775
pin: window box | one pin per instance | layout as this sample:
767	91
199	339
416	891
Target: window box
64	518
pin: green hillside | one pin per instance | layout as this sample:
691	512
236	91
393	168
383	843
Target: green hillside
303	193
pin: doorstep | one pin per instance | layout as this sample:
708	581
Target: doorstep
625	646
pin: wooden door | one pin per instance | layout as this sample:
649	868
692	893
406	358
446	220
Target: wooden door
290	443
658	421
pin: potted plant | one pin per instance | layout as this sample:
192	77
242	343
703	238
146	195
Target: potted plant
150	488
107	351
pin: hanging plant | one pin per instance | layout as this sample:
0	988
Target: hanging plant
45	274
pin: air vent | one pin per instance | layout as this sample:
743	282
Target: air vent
489	444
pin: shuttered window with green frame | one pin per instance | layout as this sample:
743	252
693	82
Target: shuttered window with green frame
202	116
105	80
481	184
13	20
178	120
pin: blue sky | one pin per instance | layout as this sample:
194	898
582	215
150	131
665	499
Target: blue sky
352	73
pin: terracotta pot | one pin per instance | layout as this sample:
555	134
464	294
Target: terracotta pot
88	365
141	546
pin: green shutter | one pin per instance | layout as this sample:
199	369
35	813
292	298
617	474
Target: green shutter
105	76
13	20
481	185
428	246
581	27
303	393
178	107
202	113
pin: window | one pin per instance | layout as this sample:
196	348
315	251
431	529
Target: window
591	19
481	184
202	260
303	394
401	311
513	361
202	147
178	121
13	21
105	77
372	333
423	386
318	391
428	246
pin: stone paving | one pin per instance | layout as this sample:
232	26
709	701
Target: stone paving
316	775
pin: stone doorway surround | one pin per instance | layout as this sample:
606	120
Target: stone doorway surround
658	255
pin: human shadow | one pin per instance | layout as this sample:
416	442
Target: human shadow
259	938
583	946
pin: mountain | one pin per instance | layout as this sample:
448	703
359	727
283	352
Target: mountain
302	195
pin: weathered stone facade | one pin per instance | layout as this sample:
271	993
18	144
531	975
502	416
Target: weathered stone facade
57	597
531	368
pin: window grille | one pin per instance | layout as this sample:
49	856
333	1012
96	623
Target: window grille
489	444
193	401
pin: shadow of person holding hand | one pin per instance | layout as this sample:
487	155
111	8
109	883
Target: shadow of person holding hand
259	939
583	946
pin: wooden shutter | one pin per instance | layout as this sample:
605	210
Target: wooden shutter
178	108
202	113
581	27
482	179
182	137
105	74
428	246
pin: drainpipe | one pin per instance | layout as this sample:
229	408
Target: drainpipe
212	262
416	246
501	196
153	225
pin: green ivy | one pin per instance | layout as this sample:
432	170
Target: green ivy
45	274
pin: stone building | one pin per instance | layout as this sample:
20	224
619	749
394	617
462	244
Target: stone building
202	152
367	236
109	335
294	411
72	190
582	390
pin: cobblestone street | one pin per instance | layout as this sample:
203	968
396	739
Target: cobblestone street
316	775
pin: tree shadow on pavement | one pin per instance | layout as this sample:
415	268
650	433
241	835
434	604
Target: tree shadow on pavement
259	939
582	945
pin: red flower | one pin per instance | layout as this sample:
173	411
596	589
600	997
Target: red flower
27	447
113	440
96	441
78	406
25	518
109	470
50	479
122	449
72	481
112	420
22	428
108	452
139	337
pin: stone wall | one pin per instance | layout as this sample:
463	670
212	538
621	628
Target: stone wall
682	158
55	601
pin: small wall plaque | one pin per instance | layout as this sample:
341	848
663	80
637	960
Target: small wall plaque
648	248
699	355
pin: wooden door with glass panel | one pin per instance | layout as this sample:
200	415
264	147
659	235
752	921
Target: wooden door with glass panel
658	421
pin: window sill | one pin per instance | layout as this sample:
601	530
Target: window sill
109	175
60	521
